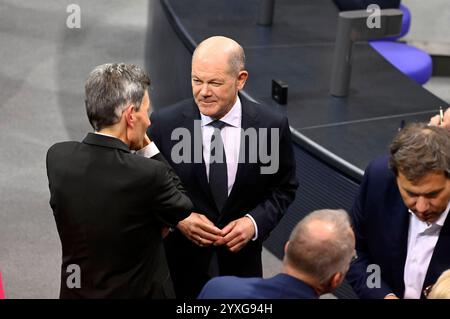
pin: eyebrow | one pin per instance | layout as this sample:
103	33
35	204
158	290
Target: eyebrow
211	80
434	192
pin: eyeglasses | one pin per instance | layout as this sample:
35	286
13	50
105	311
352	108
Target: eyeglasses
427	291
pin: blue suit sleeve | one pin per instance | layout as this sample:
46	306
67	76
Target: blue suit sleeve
359	272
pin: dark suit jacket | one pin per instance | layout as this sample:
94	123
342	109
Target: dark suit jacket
345	5
265	197
282	286
381	222
109	206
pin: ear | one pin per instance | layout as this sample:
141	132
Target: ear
242	77
128	113
286	247
336	280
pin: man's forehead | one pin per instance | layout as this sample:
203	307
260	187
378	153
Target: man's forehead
432	181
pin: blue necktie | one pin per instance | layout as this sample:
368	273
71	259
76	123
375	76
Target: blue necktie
218	177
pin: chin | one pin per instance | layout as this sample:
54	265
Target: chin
208	111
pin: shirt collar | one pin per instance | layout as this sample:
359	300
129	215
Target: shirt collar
232	118
105	134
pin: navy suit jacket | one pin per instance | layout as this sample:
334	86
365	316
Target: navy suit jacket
265	196
381	223
282	286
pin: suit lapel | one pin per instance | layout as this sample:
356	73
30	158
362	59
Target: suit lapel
398	254
440	260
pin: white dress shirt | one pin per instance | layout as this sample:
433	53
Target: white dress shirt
231	136
422	239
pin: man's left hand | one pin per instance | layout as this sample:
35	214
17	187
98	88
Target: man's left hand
237	234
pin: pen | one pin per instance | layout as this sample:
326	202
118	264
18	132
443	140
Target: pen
441	115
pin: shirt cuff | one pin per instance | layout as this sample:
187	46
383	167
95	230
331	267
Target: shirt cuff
254	224
148	151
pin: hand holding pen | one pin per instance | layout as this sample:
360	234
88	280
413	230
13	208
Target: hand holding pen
441	119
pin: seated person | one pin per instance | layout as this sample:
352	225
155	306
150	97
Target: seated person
317	257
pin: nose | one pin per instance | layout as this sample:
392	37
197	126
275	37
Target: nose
422	204
148	122
205	90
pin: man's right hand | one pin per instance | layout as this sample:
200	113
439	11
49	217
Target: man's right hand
436	120
199	229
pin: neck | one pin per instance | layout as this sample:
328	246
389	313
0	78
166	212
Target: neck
307	279
117	132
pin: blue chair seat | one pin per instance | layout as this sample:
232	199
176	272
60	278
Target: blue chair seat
415	63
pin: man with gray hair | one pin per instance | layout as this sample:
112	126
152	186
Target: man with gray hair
112	207
317	257
400	217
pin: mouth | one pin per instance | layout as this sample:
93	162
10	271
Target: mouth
426	217
207	102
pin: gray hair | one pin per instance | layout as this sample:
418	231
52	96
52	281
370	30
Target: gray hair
110	88
322	256
419	149
237	61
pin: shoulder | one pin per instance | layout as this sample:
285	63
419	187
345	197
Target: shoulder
265	114
63	145
228	287
379	180
174	110
62	148
379	167
145	164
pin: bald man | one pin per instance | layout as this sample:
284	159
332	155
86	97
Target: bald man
317	257
239	194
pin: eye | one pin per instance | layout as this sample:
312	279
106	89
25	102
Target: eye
196	81
432	195
216	84
411	194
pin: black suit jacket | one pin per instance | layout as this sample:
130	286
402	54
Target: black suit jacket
265	197
109	206
381	223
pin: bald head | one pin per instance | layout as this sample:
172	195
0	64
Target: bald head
219	48
321	244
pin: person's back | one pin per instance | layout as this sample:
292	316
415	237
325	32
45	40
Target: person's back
281	286
105	226
110	208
